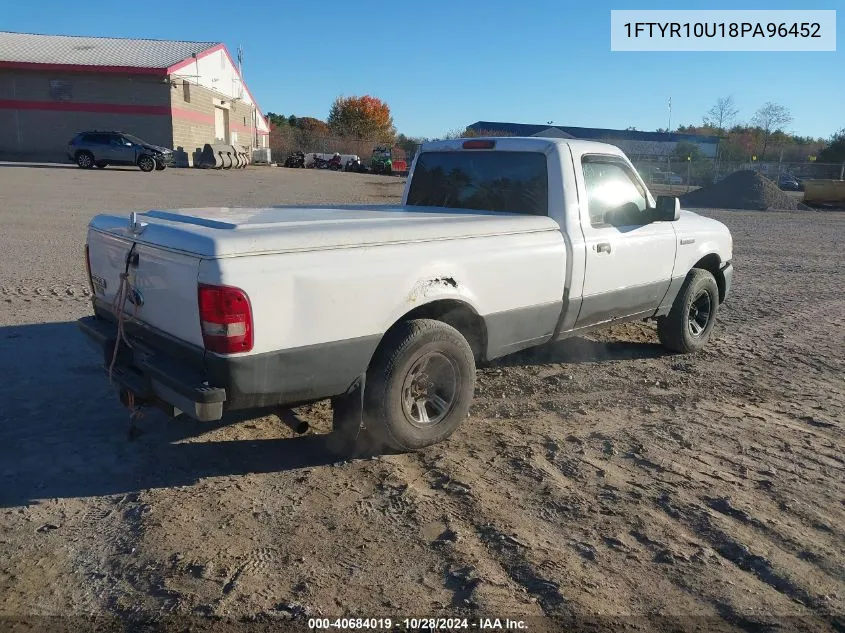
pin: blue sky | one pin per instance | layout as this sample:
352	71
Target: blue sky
441	65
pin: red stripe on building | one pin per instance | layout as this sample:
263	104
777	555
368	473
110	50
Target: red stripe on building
73	106
195	117
207	119
118	108
135	70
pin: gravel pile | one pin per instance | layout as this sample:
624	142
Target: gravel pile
742	190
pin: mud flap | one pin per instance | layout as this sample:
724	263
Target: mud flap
349	435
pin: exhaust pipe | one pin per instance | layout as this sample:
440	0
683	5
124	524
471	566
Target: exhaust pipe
296	425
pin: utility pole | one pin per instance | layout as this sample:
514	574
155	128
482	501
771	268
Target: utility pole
669	129
254	136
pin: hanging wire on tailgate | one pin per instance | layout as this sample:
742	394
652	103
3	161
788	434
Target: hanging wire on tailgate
119	305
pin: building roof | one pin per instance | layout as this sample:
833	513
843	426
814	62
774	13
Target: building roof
591	133
72	50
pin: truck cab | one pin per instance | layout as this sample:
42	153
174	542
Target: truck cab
627	254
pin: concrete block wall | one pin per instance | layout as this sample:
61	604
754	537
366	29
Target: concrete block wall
40	111
193	109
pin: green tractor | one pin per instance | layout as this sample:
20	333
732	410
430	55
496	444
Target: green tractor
382	161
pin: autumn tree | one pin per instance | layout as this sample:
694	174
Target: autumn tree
722	114
362	117
835	151
313	126
770	118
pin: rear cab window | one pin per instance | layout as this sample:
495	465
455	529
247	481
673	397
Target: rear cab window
507	182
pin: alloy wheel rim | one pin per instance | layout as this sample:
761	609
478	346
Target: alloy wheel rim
699	314
429	390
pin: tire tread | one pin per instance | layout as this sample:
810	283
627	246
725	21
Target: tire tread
389	357
671	329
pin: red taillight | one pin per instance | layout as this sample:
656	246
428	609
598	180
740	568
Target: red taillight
225	318
479	144
88	268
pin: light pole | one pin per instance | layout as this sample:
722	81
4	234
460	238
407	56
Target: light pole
669	128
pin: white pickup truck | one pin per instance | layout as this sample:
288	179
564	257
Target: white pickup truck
499	244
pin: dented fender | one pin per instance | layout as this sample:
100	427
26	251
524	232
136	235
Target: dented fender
430	288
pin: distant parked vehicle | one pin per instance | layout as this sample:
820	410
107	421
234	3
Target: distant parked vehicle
382	161
788	182
296	160
666	178
335	163
355	164
101	149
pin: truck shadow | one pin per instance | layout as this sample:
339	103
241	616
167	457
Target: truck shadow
63	432
578	350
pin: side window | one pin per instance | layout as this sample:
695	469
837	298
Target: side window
614	198
98	139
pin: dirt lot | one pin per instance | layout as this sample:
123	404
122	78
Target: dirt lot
598	481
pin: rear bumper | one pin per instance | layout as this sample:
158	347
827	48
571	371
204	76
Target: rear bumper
183	378
152	378
727	271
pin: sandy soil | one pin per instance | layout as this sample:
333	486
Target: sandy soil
599	481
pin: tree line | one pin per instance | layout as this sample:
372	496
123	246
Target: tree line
764	136
359	121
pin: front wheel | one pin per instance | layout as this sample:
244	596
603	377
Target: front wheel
160	166
146	163
689	324
85	160
419	386
101	164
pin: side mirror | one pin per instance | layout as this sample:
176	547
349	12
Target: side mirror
668	209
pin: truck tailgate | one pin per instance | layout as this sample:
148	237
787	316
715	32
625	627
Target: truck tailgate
164	283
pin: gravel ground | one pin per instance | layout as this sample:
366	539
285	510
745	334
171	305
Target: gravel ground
599	480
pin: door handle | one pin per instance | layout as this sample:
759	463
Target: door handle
604	247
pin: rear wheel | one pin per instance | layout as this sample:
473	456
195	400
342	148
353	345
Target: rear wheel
146	163
85	160
419	386
689	324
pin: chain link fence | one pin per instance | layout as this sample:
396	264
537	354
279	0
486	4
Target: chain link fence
700	173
